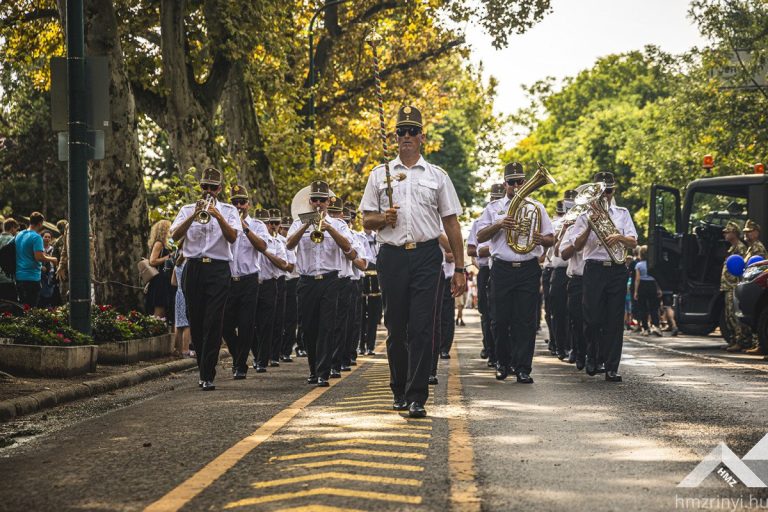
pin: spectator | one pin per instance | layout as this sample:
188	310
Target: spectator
29	258
49	289
7	286
647	294
60	249
183	335
159	292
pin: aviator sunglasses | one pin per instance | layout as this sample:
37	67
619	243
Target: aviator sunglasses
410	130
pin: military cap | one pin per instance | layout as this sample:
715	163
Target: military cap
751	225
275	215
409	116
605	177
560	208
239	192
732	227
319	188
347	214
211	176
497	191
262	215
286	222
335	204
513	171
570	194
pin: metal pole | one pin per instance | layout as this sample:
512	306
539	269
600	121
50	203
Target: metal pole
79	244
311	115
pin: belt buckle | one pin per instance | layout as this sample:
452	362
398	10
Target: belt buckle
318	277
235	279
205	260
516	264
409	245
607	263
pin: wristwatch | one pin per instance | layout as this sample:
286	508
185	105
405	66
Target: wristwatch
246	230
463	270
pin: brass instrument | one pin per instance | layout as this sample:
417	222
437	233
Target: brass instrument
203	216
317	234
301	208
527	214
591	198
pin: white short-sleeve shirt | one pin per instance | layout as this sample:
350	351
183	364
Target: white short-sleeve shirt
207	240
575	262
314	259
495	212
247	260
593	249
552	259
482	261
268	269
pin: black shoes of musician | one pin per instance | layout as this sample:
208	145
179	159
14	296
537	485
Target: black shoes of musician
335	374
400	404
416	410
600	368
274	364
433	380
200	383
580	362
322	383
239	375
591	367
259	368
445	355
552	348
208	385
345	368
483	354
502	372
301	353
524	378
612	376
286	359
353	363
312	379
370	353
572	356
491	363
562	355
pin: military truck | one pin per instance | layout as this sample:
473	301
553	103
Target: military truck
686	248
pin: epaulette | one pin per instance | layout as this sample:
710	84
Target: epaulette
439	169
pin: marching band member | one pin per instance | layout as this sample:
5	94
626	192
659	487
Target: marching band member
240	311
275	216
446	305
558	293
409	261
605	284
515	280
360	265
319	265
208	250
291	302
575	270
372	306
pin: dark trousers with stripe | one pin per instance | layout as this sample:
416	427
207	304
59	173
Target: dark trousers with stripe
576	316
371	312
546	283
605	288
409	282
265	322
240	319
484	309
317	309
206	286
558	297
340	328
277	326
354	322
514	291
290	319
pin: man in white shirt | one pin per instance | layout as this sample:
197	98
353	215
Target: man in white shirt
290	320
372	306
558	292
275	216
409	224
240	311
515	278
575	272
208	249
359	265
605	284
319	265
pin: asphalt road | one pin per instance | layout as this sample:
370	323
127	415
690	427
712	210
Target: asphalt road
567	442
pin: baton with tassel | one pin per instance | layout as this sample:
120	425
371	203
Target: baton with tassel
373	40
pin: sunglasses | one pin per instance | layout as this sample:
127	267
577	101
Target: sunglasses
274	222
609	190
318	199
517	181
410	130
206	186
238	202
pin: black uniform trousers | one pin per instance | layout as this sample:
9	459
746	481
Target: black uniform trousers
437	344
558	297
265	322
576	317
318	299
277	325
206	286
339	338
372	309
354	322
409	280
514	289
447	317
291	317
483	308
546	283
605	288
240	318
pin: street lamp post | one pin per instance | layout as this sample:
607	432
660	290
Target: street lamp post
311	123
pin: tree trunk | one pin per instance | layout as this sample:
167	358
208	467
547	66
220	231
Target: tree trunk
246	144
119	219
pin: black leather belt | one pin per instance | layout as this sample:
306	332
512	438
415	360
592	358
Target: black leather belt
602	263
207	260
237	279
409	246
515	264
327	275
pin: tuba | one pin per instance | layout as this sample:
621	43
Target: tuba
301	209
590	200
526	213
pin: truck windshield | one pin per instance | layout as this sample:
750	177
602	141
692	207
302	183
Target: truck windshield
712	211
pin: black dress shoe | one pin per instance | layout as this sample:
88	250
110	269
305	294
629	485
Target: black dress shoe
274	364
200	383
445	355
335	374
502	372
345	368
260	369
432	380
312	379
370	353
524	378
286	359
612	376
491	363
208	385
562	355
400	404
483	354
591	368
600	368
322	383
580	362
353	363
416	410
301	353
239	375
572	357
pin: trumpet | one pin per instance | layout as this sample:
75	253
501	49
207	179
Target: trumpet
317	234
203	216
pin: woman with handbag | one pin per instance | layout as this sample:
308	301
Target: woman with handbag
159	288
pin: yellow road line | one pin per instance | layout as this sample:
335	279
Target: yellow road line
318	508
328	491
376	433
338	476
348	407
378	442
367	400
350	451
404	426
364	411
359	464
461	456
197	483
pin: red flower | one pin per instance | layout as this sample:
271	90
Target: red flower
27	307
67	340
59	335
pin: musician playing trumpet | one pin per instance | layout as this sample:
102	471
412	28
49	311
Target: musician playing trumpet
605	277
515	274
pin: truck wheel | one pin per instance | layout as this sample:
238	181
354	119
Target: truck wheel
725	329
696	329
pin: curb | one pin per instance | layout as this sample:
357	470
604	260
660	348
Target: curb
10	409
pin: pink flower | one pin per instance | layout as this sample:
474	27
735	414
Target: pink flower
67	340
59	335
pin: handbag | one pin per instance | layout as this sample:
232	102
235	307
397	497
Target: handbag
146	271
